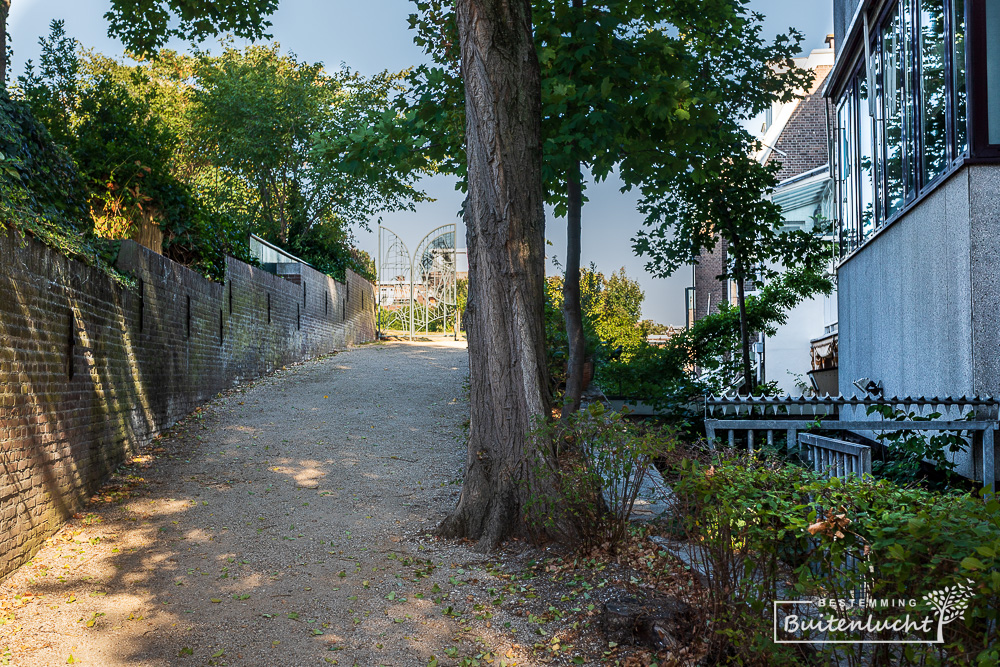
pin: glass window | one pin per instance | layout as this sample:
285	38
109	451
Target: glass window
892	146
894	112
866	183
933	101
959	96
907	62
848	210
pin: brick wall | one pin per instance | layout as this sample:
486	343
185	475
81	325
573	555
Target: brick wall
805	138
89	369
709	291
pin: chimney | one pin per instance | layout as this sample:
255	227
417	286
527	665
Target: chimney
829	41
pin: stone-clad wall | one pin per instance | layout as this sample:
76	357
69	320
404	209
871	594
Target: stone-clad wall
919	302
88	369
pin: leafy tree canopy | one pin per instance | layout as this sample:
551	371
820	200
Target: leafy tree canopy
146	26
259	116
611	307
216	147
626	85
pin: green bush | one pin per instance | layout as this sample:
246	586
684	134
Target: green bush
907	456
757	522
603	460
42	193
706	357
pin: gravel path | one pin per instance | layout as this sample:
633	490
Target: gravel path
283	524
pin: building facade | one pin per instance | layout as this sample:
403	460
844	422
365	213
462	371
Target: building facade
798	136
916	88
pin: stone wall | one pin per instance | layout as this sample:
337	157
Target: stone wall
919	303
90	369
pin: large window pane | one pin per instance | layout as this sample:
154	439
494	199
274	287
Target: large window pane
847	189
878	128
907	64
932	89
894	114
866	184
959	96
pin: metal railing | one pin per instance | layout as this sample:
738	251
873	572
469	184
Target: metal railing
948	406
759	418
836	458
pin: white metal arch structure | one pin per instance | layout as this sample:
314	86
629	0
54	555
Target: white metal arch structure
434	271
394	277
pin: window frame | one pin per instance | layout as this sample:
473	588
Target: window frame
977	84
912	141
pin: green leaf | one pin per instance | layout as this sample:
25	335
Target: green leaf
971	563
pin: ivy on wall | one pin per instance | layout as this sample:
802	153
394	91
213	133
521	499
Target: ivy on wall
42	192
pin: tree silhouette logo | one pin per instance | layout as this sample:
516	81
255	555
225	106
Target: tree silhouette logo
950	603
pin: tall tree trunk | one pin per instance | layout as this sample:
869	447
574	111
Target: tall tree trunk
748	381
505	222
4	13
572	310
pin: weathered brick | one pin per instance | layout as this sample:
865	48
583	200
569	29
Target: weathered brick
133	377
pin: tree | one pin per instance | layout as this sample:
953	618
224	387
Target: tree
505	222
215	147
591	56
259	116
726	197
626	85
718	190
604	63
146	26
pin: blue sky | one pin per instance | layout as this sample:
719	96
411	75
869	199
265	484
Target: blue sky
373	35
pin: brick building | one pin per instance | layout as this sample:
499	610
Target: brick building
798	135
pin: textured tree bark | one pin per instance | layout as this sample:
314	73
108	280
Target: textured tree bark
505	223
4	13
572	310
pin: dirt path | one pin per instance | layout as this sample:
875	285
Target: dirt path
284	524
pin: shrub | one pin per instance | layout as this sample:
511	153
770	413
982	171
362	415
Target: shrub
42	192
755	522
907	456
603	460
